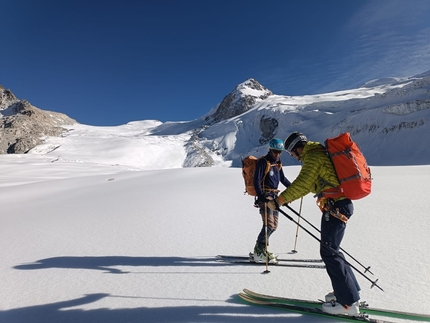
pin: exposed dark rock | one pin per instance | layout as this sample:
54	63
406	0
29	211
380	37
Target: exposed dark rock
23	126
240	100
268	127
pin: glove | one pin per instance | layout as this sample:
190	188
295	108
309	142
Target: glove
262	198
274	204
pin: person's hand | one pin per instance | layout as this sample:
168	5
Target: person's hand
263	198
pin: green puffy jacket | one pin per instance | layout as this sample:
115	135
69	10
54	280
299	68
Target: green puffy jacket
314	177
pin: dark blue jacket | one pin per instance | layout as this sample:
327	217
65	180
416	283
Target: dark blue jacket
273	177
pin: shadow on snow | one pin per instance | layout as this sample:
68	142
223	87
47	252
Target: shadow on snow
65	312
107	263
60	312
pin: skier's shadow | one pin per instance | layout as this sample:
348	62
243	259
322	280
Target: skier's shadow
67	312
108	263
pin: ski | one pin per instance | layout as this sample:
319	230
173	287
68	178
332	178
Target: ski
364	307
279	259
279	264
309	310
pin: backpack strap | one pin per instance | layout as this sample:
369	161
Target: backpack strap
266	171
268	166
334	191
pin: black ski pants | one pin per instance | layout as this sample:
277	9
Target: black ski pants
344	283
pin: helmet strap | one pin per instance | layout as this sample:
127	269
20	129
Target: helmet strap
296	153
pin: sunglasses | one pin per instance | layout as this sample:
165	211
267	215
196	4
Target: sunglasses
277	151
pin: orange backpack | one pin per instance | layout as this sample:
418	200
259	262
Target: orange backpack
350	166
248	170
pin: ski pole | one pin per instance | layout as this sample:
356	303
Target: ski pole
374	283
366	269
297	229
265	225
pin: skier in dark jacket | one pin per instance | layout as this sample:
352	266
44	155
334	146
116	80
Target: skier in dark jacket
268	175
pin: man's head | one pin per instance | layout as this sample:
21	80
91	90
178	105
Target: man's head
276	146
294	144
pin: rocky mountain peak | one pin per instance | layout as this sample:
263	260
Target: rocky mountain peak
7	98
252	84
244	96
23	126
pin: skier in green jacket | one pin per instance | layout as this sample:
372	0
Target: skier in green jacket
317	176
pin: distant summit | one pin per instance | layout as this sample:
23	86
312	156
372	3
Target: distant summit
23	126
244	96
7	99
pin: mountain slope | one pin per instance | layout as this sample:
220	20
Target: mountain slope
388	118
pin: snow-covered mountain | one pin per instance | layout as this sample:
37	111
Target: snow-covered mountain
389	118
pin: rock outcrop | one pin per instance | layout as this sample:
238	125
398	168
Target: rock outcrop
23	126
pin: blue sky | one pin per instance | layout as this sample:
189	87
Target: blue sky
110	62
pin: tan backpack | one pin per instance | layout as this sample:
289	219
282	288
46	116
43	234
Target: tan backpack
249	164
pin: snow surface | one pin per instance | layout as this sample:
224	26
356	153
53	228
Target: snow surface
111	228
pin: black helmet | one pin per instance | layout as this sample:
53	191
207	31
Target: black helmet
293	140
